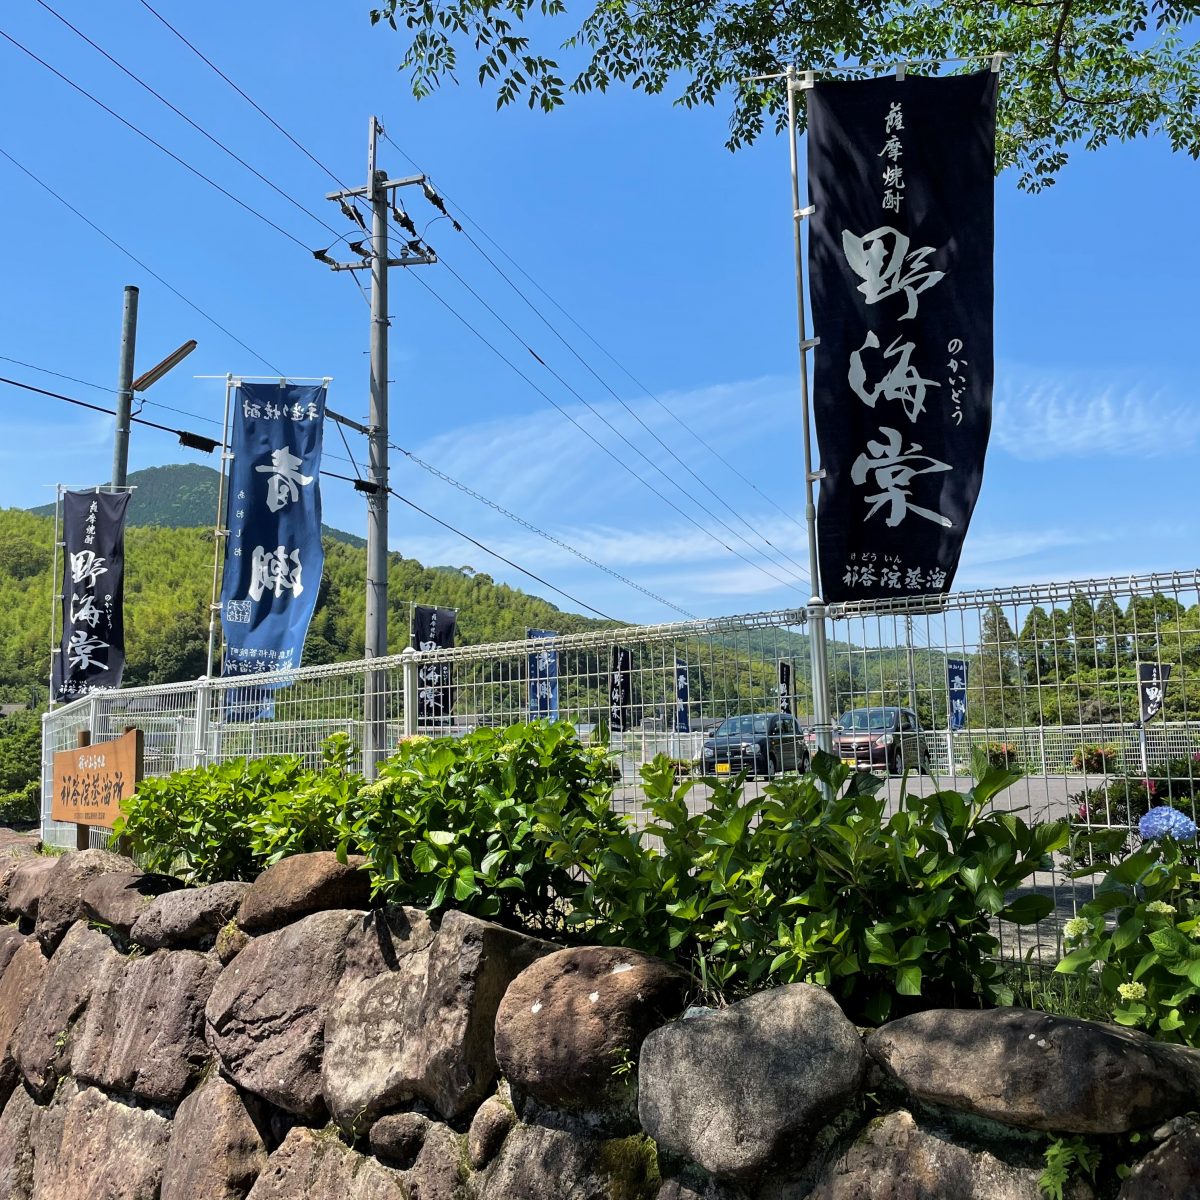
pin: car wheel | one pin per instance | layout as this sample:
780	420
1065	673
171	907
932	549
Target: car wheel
896	762
772	766
803	762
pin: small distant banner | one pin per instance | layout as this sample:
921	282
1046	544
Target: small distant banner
682	722
433	629
92	654
273	555
619	690
1152	688
543	678
785	686
956	691
900	254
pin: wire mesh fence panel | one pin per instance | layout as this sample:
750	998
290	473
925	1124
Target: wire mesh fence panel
1049	680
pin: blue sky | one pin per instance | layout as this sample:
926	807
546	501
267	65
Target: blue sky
670	252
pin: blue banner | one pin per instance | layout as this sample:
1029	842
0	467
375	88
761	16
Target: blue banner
273	555
682	724
956	689
543	678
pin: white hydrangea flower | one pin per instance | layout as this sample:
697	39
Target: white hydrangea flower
1075	928
1162	907
1131	991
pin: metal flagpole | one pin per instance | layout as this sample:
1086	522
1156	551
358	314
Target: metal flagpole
816	606
55	596
220	531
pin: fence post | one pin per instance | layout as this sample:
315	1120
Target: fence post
408	670
83	737
1042	748
200	744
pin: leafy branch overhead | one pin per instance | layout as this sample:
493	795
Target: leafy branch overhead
1077	73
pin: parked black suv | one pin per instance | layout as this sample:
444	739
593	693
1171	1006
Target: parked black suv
760	744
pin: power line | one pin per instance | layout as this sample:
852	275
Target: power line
501	557
592	437
134	258
154	142
603	350
612	428
183	116
468	491
341	183
57	374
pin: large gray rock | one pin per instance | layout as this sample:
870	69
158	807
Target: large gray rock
8	869
539	1163
61	903
440	1172
190	918
145	1033
216	1151
86	1145
119	898
425	1029
85	962
26	881
303	884
740	1089
317	1166
1169	1172
571	1021
1025	1068
266	1014
10	940
19	985
16	1153
489	1127
895	1159
397	1138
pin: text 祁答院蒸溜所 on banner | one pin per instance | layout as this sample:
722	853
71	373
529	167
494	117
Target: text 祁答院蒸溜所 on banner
900	256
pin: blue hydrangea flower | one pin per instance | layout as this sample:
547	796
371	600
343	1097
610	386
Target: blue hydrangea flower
1167	822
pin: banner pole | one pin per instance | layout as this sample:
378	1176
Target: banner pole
816	606
220	530
56	598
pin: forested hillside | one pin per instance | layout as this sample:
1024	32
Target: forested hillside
168	584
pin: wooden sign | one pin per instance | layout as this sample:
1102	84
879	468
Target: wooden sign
91	781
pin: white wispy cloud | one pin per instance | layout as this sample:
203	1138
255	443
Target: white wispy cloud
1045	414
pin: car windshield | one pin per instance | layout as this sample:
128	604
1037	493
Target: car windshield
863	719
741	726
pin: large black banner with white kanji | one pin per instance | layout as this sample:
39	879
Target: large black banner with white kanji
92	654
900	258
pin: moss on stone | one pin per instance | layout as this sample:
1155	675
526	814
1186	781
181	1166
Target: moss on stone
631	1165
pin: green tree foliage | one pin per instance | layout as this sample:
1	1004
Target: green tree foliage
1078	73
20	766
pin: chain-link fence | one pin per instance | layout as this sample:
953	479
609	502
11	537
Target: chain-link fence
1051	686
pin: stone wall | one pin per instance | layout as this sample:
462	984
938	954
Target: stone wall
282	1041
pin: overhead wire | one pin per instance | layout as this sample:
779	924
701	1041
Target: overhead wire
599	346
628	442
330	475
155	142
591	436
134	258
492	504
183	116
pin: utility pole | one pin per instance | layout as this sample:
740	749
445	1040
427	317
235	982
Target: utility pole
378	191
120	468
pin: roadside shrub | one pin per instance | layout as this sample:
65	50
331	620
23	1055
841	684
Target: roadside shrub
1001	756
1094	760
233	819
463	821
23	806
1141	936
791	886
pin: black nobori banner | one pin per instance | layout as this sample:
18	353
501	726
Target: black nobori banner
1152	688
92	654
900	256
620	691
433	629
